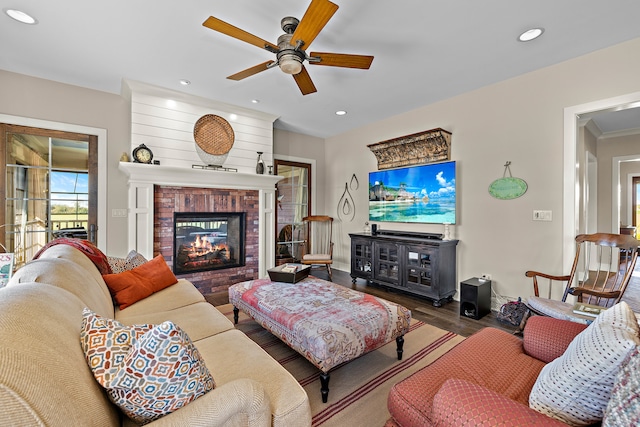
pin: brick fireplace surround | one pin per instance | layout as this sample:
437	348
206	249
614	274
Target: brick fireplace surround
155	192
168	200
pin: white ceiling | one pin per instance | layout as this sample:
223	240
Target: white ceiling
425	50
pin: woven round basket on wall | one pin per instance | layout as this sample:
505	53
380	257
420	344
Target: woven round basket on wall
214	139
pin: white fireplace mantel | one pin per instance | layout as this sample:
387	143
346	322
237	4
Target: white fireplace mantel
143	177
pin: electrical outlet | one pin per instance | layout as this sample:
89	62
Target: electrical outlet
486	276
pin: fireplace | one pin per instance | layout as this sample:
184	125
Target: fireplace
208	241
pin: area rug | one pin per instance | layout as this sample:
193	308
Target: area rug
357	390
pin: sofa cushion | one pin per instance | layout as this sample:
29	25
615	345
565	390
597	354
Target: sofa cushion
199	320
623	408
133	285
575	387
162	372
462	403
89	269
491	358
68	275
132	260
546	338
181	294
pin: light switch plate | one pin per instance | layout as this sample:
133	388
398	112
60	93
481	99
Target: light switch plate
542	215
118	213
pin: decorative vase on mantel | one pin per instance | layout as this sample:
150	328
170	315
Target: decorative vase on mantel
260	164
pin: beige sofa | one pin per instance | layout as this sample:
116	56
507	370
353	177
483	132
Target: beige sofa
45	380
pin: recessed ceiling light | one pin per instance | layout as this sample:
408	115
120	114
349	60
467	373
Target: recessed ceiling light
185	82
340	113
531	34
233	117
21	16
255	101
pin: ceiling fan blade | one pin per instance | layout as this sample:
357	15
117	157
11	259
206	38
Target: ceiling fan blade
235	32
315	18
304	82
250	71
342	60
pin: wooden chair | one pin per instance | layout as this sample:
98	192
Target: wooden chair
318	247
601	271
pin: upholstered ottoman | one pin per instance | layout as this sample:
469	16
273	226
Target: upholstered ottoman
326	323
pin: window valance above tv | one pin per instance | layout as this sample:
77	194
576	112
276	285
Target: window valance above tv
419	148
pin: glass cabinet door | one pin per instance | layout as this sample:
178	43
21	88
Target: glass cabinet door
361	257
386	266
419	269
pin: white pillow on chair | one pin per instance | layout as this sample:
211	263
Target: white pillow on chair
576	387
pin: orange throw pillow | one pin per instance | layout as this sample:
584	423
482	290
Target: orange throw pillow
131	286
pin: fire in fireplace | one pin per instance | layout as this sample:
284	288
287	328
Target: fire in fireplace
208	241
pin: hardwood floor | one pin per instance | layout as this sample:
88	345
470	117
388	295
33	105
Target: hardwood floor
446	317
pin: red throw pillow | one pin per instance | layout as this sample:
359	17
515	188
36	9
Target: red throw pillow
131	286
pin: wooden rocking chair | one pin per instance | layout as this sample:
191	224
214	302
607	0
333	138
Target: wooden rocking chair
601	271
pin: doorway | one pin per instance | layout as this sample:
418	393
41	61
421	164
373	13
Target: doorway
49	183
293	202
573	202
635	201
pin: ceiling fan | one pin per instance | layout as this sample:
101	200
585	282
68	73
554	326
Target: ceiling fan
290	50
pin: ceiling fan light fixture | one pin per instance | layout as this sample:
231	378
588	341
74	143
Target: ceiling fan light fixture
530	34
290	64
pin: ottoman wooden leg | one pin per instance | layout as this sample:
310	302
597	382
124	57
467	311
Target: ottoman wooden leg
235	315
324	386
400	344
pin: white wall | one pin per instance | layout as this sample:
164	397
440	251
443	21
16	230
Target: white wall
518	120
292	145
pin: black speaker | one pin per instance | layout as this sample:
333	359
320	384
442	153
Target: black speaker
475	298
374	229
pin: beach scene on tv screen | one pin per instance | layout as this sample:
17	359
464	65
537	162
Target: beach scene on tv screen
425	194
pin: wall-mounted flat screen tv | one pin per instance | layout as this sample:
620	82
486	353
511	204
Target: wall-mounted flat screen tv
424	194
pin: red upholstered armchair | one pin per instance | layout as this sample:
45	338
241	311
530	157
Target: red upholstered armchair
483	381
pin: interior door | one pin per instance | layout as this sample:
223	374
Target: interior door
49	186
293	195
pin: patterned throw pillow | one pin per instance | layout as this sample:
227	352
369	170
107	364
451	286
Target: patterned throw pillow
624	406
133	260
106	342
160	372
575	388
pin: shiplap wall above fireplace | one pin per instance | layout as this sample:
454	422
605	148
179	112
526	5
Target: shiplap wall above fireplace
163	120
